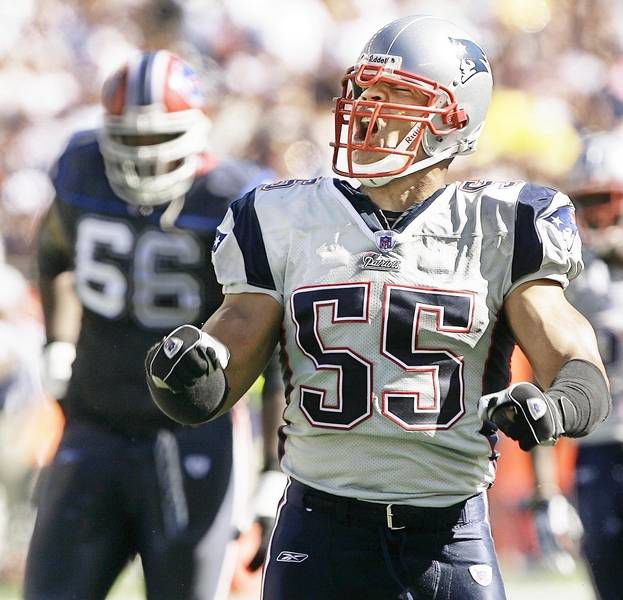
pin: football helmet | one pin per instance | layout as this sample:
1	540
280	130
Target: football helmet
596	180
443	64
154	129
596	188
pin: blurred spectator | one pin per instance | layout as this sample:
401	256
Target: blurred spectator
272	68
22	411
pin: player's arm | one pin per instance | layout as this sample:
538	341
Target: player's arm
562	349
61	307
196	375
273	405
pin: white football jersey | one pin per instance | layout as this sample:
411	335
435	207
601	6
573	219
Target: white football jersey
598	295
390	336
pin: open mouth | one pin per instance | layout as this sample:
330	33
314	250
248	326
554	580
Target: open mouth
362	127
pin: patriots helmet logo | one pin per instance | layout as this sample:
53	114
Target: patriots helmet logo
471	57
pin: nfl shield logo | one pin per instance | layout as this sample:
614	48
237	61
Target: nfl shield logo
385	240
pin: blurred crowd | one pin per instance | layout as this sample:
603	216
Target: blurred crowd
272	68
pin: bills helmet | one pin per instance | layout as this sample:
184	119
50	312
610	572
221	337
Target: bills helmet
154	130
424	54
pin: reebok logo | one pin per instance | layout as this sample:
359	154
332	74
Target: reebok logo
291	557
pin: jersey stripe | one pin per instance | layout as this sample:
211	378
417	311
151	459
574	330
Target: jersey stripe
249	237
528	249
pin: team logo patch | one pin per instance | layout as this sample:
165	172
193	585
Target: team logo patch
472	59
537	407
292	557
385	240
481	574
186	82
218	240
564	220
374	261
172	346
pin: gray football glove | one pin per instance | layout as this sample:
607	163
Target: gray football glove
57	359
559	530
270	488
524	413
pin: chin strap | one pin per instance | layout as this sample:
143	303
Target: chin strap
463	146
171	213
417	166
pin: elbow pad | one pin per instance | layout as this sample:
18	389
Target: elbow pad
581	393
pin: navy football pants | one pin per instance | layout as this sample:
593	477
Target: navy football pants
106	498
599	482
318	554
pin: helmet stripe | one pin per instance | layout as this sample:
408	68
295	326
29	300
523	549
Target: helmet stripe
158	76
420	18
142	81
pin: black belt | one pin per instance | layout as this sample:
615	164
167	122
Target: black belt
393	516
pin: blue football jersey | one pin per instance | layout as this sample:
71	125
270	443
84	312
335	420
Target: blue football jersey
598	295
135	280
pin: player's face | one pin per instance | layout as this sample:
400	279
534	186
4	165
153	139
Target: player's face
387	133
147	139
146	169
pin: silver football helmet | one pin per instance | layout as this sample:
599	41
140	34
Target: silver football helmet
421	53
154	130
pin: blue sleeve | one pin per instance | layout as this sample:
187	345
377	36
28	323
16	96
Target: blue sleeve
248	234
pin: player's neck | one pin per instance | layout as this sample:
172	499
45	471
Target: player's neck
402	192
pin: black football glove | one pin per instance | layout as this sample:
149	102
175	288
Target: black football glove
559	530
524	413
185	375
183	357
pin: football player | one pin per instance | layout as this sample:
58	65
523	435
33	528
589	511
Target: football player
597	190
397	305
126	244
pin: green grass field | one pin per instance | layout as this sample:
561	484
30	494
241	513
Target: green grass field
533	584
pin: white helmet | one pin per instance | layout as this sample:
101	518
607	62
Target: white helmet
435	58
157	94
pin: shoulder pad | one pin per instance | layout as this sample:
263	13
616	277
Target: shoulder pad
82	150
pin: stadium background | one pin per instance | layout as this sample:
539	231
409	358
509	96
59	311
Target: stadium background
272	68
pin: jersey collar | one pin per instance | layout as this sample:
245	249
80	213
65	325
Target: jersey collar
373	216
